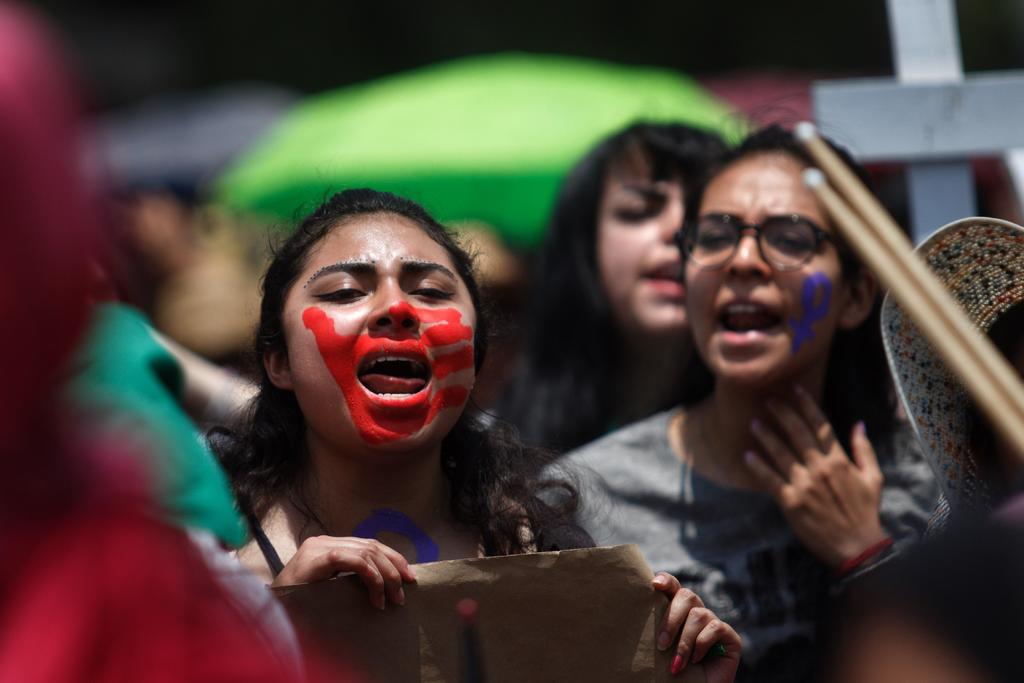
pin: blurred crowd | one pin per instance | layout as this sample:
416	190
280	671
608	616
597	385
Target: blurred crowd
203	405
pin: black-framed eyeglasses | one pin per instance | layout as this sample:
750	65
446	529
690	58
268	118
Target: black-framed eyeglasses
786	241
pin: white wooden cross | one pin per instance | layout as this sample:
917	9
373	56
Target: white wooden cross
929	116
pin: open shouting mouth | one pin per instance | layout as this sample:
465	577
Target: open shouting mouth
748	317
393	374
395	387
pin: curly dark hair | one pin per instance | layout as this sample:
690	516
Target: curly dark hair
562	395
495	480
858	385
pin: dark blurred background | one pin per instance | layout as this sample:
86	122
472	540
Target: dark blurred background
130	50
180	89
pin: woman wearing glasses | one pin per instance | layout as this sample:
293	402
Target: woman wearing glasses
763	489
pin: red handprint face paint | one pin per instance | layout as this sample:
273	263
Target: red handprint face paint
395	385
379	339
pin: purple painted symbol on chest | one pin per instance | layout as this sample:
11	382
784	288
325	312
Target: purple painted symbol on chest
815	299
385	519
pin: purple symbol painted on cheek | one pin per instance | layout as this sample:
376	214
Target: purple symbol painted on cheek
815	298
385	519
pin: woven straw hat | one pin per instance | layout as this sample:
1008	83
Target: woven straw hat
981	263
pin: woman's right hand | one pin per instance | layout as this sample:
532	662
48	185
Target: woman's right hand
830	500
381	568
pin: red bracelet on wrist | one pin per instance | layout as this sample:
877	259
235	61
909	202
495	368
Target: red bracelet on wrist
872	550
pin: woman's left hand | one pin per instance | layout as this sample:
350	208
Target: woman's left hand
830	501
701	631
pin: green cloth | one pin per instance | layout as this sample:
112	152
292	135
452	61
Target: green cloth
130	383
486	138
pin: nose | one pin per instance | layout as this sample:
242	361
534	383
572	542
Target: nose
399	316
748	260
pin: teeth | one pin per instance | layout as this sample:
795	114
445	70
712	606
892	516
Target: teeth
741	309
415	363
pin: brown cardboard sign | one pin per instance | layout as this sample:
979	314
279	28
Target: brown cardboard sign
576	615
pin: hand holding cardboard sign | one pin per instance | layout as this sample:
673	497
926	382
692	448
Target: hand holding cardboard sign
578	615
701	630
381	568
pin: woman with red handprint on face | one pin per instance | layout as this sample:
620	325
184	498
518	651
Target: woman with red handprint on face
388	407
358	456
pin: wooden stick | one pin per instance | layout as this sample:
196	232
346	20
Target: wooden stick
849	185
1002	402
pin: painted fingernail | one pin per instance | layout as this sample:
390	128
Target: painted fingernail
664	640
677	665
401	597
862	428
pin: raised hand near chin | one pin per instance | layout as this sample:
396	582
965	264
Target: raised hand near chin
830	500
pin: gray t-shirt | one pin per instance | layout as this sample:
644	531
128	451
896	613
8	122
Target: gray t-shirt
733	547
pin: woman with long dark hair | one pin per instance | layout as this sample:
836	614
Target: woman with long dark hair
762	485
360	453
327	444
607	340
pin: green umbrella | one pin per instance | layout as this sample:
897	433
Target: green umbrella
481	138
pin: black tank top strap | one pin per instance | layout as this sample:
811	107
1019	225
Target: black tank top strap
266	547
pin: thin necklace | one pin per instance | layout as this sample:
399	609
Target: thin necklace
704	455
681	432
678	424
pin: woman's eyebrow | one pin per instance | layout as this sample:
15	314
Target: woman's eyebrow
353	267
424	267
645	191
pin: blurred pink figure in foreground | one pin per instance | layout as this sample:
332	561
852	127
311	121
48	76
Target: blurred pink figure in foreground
92	587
